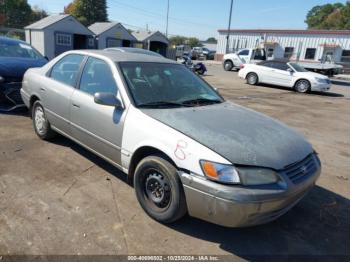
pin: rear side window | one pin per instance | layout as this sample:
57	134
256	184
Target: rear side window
67	69
97	77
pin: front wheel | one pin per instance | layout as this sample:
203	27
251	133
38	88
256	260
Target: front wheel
41	125
159	190
302	86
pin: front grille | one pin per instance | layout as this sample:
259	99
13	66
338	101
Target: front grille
300	171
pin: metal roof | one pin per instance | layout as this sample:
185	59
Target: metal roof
144	35
287	31
99	28
47	21
125	56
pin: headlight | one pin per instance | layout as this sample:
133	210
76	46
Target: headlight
230	174
321	80
219	172
257	176
1	79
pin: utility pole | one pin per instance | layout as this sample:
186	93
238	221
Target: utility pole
229	28
167	20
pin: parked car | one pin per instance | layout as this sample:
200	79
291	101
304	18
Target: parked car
182	50
184	147
15	58
244	56
196	53
286	74
208	54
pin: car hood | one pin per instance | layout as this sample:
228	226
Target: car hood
242	136
16	67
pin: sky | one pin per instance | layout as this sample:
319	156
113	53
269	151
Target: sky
202	18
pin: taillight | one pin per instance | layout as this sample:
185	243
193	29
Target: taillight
241	66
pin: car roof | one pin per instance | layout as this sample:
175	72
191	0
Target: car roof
281	61
133	50
125	56
8	40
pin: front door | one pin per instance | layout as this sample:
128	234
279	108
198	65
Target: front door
280	75
59	86
97	126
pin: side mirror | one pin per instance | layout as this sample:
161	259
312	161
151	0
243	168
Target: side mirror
107	99
46	58
290	70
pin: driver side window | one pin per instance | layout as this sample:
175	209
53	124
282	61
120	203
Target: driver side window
97	77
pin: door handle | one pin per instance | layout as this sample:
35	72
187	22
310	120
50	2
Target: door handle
42	89
75	105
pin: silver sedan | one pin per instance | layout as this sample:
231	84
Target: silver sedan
184	147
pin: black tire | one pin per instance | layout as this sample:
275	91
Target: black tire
159	190
228	65
41	125
252	79
302	86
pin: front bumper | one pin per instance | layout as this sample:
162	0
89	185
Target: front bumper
323	87
238	206
10	96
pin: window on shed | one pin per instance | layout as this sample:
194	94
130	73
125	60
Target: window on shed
310	53
288	52
64	39
345	57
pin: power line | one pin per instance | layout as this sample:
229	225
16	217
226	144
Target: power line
157	15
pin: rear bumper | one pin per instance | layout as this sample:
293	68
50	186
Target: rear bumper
237	206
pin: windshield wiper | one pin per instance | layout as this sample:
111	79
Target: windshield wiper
201	101
162	104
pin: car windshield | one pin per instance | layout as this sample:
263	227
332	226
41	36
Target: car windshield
166	85
18	49
297	67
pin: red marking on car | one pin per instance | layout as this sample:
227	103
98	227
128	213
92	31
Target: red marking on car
179	150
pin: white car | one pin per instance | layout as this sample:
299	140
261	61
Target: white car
287	74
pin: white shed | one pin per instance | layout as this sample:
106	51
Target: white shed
303	45
56	34
111	34
154	41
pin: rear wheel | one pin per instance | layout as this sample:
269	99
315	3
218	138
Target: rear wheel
228	65
252	79
41	124
159	189
302	86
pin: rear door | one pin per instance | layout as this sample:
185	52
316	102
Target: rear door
97	126
58	90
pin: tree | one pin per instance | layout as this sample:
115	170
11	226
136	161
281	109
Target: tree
177	40
88	11
38	14
15	13
212	40
326	16
193	41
